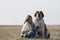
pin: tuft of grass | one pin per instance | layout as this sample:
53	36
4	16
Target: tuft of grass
21	39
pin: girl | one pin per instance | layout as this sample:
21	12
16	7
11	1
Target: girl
28	30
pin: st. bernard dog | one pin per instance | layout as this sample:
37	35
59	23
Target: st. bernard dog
41	29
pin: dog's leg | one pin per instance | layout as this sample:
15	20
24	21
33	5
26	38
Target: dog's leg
47	34
43	31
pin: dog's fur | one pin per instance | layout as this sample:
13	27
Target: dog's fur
40	25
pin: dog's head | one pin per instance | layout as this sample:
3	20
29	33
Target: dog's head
39	14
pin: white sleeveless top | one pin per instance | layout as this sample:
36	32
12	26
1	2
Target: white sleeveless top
26	28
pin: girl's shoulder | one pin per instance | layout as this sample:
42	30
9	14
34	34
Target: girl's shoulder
26	24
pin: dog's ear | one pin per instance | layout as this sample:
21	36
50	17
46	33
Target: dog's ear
42	13
36	13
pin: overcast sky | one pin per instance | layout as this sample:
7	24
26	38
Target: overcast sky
13	12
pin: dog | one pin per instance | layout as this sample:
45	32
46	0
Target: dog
41	29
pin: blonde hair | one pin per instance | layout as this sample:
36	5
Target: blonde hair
27	18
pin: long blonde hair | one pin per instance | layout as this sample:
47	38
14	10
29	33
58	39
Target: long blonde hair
27	18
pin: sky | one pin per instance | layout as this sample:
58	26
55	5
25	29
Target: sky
13	12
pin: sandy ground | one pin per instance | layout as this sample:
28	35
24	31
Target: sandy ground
12	32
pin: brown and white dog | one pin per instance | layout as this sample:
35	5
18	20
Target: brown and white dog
41	28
